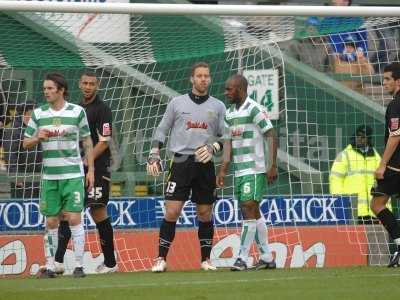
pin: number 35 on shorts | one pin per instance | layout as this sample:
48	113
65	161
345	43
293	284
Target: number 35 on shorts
95	193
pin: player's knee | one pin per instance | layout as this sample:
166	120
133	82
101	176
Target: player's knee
204	212
204	216
172	214
250	210
73	218
52	222
98	213
378	204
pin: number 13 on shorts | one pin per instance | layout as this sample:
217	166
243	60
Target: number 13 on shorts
170	189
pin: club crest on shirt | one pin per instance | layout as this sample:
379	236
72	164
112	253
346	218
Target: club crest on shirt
394	123
56	121
211	114
106	129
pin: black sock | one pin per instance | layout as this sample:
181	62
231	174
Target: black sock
106	236
389	222
167	235
64	235
206	234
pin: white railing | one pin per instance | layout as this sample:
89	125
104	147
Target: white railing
197	9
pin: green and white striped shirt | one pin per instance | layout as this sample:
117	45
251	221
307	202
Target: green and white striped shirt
245	128
61	155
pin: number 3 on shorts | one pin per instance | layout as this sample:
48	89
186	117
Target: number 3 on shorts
77	196
246	188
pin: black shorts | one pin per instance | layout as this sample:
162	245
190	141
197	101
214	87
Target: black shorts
187	176
100	194
389	185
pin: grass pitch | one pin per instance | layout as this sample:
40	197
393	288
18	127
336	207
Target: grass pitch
344	283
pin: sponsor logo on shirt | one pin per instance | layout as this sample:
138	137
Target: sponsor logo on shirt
194	124
394	123
106	129
55	133
237	132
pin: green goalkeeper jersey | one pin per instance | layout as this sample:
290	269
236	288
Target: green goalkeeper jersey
61	154
245	128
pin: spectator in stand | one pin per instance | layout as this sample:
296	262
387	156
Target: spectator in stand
21	164
352	31
352	60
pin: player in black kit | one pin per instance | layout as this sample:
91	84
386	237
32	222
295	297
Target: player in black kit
388	173
99	118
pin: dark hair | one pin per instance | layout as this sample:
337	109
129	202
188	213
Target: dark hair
89	73
241	81
394	68
351	43
59	81
200	64
364	130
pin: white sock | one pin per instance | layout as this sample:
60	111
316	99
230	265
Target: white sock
78	239
262	241
247	238
50	247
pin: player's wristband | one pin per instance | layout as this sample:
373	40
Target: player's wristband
217	147
154	155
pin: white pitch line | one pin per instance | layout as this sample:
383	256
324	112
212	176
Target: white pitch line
204	282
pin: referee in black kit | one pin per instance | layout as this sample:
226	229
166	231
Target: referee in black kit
196	122
99	118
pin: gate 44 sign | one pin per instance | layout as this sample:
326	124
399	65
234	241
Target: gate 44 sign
263	88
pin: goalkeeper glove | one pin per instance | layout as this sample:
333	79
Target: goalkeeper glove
154	167
205	153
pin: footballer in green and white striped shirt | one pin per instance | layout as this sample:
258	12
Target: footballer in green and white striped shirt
61	155
59	126
247	126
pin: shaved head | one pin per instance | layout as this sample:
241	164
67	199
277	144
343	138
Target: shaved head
236	89
239	81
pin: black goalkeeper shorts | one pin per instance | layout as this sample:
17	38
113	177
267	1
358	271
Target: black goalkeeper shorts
189	177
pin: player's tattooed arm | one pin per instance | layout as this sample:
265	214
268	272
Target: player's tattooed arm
88	150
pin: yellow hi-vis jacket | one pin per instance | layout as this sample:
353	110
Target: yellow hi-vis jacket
353	173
